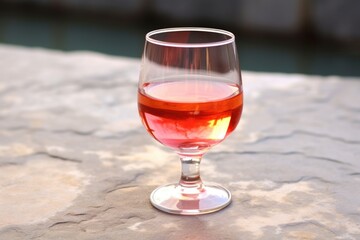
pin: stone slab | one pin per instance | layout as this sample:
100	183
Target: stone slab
76	163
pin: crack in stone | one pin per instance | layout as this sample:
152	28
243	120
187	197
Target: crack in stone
326	159
125	185
307	178
311	222
81	220
58	157
98	206
65	223
291	181
18	128
114	135
76	132
16	229
303	178
302	132
121	187
348	119
76	214
355	174
285	153
4	164
118	135
122	220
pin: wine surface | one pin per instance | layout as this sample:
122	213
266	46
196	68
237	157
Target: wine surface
190	115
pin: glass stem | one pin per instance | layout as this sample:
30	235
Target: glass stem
190	181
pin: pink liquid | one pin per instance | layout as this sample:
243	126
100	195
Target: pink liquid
190	115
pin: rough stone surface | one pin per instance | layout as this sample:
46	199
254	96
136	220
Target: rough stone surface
76	163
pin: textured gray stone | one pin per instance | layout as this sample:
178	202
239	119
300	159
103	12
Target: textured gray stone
75	162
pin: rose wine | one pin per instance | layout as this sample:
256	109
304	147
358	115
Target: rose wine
190	115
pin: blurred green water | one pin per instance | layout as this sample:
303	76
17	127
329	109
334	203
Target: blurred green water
127	39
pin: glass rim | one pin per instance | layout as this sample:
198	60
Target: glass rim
190	45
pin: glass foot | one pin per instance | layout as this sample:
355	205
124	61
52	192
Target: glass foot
171	199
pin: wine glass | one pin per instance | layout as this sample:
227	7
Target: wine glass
190	99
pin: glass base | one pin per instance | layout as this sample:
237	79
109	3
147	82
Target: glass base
171	199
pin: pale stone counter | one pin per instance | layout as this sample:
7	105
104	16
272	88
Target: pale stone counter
76	163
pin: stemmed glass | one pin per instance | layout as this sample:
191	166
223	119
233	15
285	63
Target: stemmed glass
190	99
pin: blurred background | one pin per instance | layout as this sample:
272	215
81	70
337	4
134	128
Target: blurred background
320	37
